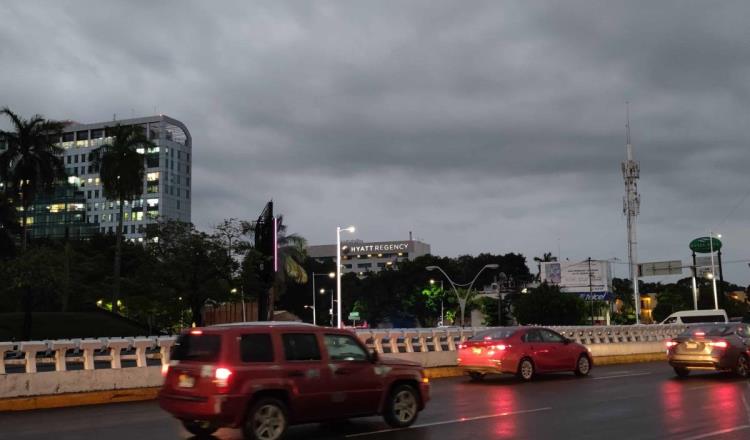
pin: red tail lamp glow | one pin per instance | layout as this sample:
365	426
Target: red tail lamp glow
700	333
164	369
196	332
671	344
221	377
719	344
501	347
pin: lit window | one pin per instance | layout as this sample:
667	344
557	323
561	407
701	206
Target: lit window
152	177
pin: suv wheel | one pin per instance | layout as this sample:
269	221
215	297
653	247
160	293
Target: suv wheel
525	369
402	407
266	420
199	428
583	366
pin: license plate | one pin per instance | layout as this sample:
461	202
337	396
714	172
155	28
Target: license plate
691	345
185	381
476	350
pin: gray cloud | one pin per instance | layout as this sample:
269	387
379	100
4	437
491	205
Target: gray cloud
481	126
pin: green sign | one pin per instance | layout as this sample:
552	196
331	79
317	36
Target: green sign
353	316
702	245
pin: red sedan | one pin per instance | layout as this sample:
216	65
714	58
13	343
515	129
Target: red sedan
523	351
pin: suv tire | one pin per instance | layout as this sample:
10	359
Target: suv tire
267	419
401	407
583	366
199	428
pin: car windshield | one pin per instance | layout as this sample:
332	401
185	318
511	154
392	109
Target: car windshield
203	348
491	335
708	330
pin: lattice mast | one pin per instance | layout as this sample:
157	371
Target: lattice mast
631	207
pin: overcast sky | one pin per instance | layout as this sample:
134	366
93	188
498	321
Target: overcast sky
480	126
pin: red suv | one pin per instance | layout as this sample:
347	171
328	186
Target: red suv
266	376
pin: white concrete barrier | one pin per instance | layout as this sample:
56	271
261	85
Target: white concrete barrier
435	347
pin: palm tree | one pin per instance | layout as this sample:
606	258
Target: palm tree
121	169
31	163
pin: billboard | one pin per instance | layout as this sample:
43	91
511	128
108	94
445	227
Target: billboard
575	277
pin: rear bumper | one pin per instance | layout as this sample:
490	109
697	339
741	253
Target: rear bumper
495	368
220	409
701	362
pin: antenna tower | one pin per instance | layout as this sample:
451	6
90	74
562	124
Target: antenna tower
631	207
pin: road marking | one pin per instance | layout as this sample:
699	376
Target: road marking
715	433
447	422
621	375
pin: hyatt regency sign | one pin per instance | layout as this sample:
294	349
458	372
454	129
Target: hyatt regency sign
377	248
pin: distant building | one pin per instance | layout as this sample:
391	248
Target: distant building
363	257
60	214
166	185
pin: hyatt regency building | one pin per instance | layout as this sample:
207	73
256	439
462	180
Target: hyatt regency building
363	257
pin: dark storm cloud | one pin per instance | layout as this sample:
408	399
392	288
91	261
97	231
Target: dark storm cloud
481	126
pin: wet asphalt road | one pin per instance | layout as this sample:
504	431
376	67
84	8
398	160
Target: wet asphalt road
639	401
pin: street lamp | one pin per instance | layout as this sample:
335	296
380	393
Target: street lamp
462	301
242	299
442	294
329	275
350	230
713	268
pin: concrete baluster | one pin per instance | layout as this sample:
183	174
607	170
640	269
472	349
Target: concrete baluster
141	345
116	345
30	349
61	347
408	335
393	340
437	335
451	336
422	337
88	346
165	348
377	339
4	346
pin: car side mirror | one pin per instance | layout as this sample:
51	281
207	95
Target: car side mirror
374	357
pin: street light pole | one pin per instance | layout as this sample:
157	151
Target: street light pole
350	229
713	268
315	292
462	301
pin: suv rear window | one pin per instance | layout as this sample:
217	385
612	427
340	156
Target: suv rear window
301	347
203	348
256	348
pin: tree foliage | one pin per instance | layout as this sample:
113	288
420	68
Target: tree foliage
546	305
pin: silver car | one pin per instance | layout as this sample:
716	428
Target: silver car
713	347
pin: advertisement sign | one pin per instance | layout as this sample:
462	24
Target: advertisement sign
703	245
576	277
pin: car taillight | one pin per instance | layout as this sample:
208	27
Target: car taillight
501	347
164	369
671	344
460	346
719	344
221	377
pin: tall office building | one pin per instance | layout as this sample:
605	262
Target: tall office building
166	186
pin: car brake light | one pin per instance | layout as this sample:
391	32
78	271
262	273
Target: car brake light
196	332
488	338
501	347
700	333
460	346
221	377
671	344
719	344
164	369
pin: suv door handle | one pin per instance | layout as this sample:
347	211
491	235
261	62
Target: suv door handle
296	373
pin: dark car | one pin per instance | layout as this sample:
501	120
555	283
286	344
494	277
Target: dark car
712	347
265	376
523	351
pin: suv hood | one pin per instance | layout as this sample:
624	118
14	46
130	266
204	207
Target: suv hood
393	361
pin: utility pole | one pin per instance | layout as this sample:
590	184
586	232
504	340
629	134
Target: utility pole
631	207
591	292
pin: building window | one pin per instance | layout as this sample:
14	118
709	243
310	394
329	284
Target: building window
96	193
68	159
96	218
132	228
178	204
187	193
